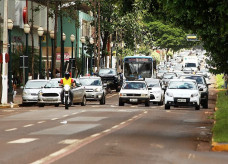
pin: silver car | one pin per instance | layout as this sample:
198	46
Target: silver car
94	89
51	93
31	90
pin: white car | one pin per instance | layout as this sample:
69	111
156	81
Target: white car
182	92
31	90
94	88
156	91
134	92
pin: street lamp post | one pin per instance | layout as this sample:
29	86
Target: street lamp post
91	41
83	42
72	38
111	45
10	90
40	33
62	54
52	35
26	30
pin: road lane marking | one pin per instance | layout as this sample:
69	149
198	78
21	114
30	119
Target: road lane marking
23	140
65	115
40	122
8	130
28	125
75	113
77	145
54	119
69	141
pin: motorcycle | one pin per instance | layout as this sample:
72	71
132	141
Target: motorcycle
66	93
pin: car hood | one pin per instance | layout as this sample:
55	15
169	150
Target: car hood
181	92
92	87
32	90
154	89
51	90
129	91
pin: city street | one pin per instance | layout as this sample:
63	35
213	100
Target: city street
107	134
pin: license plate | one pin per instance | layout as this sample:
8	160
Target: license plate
133	100
181	100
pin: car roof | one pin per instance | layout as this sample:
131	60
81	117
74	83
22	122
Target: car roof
182	80
191	75
38	80
90	77
135	81
152	80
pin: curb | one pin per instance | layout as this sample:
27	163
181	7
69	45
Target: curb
219	146
9	106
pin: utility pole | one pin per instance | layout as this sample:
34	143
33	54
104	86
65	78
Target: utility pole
99	34
5	50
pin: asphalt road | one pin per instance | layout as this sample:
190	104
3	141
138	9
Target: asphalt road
108	134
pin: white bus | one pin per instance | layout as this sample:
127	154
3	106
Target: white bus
137	67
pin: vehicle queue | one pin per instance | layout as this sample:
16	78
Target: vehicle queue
174	83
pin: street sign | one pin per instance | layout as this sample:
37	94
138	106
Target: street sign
23	61
192	37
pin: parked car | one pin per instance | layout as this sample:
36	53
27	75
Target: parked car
182	92
134	92
95	91
201	81
156	91
51	94
31	89
110	77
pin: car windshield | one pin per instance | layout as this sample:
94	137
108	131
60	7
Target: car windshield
137	70
52	84
182	85
162	71
153	84
35	84
107	72
190	65
134	85
90	82
168	76
198	79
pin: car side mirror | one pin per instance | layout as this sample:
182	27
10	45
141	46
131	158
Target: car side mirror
149	88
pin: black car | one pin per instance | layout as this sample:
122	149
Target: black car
201	81
110	77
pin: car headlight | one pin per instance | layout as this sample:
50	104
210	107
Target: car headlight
194	95
169	94
122	94
97	89
26	94
144	95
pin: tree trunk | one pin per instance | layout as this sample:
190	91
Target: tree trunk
55	39
32	37
47	36
99	35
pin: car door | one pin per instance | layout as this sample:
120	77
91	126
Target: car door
78	93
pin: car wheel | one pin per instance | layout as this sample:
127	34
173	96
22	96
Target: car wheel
205	104
83	101
147	103
41	105
121	103
56	105
197	107
167	107
102	101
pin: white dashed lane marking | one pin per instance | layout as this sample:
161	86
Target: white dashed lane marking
23	140
8	130
69	141
28	125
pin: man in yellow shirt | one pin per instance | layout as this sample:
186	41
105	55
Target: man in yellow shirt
67	80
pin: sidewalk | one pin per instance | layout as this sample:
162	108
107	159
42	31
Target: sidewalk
17	101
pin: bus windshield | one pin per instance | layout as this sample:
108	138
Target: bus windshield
133	71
